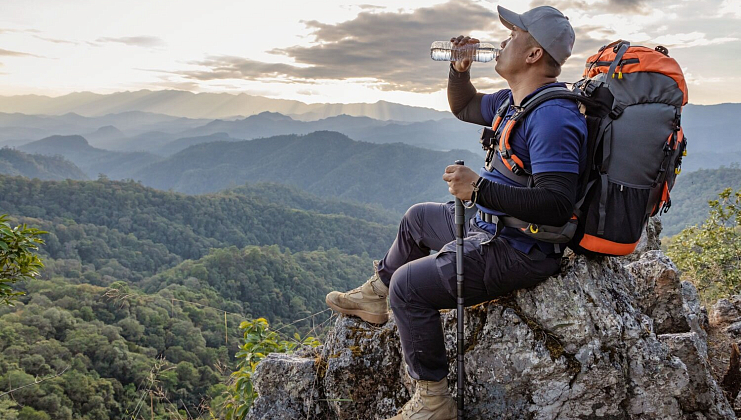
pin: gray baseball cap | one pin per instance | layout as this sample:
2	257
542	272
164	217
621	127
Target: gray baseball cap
547	25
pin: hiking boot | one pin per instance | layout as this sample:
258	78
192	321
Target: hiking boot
431	401
367	301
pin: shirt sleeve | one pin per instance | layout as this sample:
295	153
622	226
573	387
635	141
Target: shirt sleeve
491	102
555	134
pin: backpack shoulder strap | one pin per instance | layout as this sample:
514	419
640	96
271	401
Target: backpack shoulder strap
509	159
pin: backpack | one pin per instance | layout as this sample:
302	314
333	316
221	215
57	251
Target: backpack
632	99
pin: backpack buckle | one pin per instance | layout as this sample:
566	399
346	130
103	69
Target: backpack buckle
487	138
616	112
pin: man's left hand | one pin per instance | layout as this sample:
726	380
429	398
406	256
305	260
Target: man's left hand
461	180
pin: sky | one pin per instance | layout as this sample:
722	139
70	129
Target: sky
331	51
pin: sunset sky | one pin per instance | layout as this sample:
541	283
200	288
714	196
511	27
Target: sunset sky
330	51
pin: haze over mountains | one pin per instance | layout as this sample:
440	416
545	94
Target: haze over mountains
392	163
204	105
708	127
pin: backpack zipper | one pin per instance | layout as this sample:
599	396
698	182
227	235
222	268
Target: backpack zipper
607	63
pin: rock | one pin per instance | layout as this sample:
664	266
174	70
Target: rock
362	370
659	292
581	345
725	312
296	394
705	395
697	317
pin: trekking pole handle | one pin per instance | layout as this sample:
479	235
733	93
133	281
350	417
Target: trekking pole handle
459	234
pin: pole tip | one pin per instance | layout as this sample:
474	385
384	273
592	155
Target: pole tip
459	162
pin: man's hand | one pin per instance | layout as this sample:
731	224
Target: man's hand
461	180
465	63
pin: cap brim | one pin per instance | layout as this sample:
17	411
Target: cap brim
510	18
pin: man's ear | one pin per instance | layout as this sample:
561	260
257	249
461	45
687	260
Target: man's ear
535	55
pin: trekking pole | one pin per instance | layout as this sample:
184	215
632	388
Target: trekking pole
459	220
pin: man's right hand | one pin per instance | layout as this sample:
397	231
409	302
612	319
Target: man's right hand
465	63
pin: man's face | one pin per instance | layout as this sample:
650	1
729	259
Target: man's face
514	51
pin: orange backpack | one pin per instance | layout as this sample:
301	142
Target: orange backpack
632	98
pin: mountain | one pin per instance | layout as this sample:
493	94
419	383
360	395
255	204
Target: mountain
185	227
20	128
443	134
710	128
204	105
107	133
691	194
175	146
14	162
294	198
93	161
324	163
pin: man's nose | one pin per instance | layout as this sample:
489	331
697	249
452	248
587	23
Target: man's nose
504	43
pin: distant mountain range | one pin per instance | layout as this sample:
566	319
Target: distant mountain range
712	135
389	177
324	163
92	161
205	105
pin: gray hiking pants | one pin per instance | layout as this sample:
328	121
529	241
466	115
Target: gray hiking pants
421	284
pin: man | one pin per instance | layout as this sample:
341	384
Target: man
550	142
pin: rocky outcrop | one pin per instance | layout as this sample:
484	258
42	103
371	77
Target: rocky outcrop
608	338
724	339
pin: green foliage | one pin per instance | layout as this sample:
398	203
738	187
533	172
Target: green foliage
186	226
111	342
17	259
257	343
136	283
710	254
267	281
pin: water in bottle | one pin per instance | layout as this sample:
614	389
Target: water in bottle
447	51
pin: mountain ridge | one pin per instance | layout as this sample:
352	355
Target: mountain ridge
202	105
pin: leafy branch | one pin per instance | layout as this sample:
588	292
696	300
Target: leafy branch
17	259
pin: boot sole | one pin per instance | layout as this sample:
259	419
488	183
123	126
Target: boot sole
364	315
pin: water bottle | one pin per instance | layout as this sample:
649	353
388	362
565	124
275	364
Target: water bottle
446	51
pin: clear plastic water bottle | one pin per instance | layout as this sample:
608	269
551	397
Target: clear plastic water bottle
446	51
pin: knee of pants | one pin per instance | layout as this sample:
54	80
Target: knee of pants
413	215
398	286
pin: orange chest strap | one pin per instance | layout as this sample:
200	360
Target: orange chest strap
510	160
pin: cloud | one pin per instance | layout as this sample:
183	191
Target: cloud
9	53
731	8
136	41
388	50
56	41
309	92
370	7
604	6
692	39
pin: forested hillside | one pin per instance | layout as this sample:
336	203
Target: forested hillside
92	161
324	163
691	194
15	162
185	226
144	290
